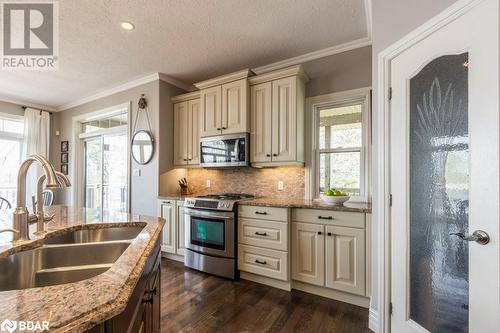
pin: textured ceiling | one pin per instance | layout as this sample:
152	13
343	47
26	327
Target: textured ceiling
190	40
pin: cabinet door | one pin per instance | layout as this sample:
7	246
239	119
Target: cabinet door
308	249
180	228
345	259
169	230
193	136
211	112
181	133
235	107
284	141
260	109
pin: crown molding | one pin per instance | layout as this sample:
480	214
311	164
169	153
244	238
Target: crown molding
358	43
279	74
125	86
27	104
185	97
224	79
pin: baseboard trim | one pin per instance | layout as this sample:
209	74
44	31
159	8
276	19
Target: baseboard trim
333	294
284	285
172	256
373	320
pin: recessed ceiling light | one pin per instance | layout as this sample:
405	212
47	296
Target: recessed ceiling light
127	25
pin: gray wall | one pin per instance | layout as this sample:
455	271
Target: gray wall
392	20
144	189
339	72
10	108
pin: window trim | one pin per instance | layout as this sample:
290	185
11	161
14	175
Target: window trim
313	107
11	136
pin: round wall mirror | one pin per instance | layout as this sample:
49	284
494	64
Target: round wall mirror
142	147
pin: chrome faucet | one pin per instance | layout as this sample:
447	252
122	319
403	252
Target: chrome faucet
41	218
20	216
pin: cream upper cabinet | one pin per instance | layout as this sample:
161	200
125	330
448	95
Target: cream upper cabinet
224	104
308	250
186	129
345	259
235	107
261	133
193	136
211	112
181	133
277	113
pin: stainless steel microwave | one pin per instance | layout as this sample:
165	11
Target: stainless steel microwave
225	151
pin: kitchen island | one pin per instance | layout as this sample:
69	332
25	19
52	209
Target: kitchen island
104	300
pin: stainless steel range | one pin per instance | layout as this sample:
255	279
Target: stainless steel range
210	233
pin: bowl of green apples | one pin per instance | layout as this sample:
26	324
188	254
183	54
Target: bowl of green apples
334	197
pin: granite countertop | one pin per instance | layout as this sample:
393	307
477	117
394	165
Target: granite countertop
312	204
174	197
76	307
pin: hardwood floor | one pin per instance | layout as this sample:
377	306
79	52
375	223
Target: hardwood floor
198	302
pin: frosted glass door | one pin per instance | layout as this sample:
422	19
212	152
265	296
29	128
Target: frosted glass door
439	195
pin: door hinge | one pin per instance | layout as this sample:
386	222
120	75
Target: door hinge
390	308
390	93
390	200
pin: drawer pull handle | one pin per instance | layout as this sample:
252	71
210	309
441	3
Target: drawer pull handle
325	217
260	213
320	233
261	233
260	262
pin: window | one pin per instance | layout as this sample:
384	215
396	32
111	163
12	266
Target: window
340	142
11	145
108	122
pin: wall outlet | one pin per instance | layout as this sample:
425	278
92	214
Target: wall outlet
137	172
209	183
281	186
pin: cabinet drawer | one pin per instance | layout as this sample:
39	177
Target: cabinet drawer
270	263
264	213
328	217
269	234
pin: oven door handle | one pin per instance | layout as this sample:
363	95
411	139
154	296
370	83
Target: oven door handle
212	216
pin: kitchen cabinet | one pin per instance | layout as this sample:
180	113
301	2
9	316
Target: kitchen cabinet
277	102
142	312
308	253
186	129
330	249
345	259
224	104
167	211
173	231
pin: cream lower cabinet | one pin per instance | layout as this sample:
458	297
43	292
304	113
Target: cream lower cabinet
327	253
173	231
308	253
167	211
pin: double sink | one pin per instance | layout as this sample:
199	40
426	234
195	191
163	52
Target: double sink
66	258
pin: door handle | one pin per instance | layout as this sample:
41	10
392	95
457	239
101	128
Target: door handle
478	236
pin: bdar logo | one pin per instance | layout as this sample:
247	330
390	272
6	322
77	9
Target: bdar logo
7	325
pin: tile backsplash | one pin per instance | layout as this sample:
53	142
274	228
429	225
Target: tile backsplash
259	182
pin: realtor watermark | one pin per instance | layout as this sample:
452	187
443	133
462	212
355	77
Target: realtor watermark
29	35
12	326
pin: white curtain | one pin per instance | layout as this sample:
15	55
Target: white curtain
36	141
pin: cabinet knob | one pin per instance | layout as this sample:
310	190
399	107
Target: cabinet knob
275	155
329	234
224	128
185	159
320	233
268	155
218	128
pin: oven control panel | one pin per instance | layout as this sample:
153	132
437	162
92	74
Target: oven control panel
224	205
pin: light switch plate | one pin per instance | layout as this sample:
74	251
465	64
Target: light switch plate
137	172
281	186
209	183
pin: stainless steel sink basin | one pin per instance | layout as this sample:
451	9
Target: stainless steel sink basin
57	264
95	235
